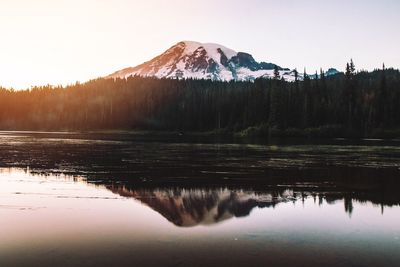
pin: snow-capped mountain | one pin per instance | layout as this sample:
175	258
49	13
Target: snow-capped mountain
204	61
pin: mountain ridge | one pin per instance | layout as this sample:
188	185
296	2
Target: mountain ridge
190	59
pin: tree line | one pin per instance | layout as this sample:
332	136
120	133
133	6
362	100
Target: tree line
353	103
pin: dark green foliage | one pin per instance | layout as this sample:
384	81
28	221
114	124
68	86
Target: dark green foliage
350	104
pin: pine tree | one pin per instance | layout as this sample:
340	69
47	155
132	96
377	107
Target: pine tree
348	71
350	93
382	99
322	74
276	73
306	100
352	67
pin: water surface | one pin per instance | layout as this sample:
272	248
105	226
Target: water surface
79	200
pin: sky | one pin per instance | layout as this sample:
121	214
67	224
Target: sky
64	41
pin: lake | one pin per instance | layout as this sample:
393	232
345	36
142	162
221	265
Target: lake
108	199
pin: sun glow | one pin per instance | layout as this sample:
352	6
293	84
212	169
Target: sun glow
64	41
61	42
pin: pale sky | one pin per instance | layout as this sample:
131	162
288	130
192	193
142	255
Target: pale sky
64	41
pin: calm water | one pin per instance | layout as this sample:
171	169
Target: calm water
117	200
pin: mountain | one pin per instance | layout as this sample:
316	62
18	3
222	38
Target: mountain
204	61
330	72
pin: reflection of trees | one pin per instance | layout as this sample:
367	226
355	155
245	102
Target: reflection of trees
139	163
348	205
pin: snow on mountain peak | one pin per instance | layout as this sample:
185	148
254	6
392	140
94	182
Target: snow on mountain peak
211	48
189	59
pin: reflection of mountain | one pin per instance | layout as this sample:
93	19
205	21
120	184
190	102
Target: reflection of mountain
190	207
346	172
187	207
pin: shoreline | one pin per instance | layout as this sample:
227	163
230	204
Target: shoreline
255	132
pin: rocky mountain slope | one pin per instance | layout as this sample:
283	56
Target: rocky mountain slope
204	61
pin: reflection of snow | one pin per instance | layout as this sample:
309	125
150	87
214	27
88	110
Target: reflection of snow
190	207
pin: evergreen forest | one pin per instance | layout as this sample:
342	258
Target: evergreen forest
350	104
